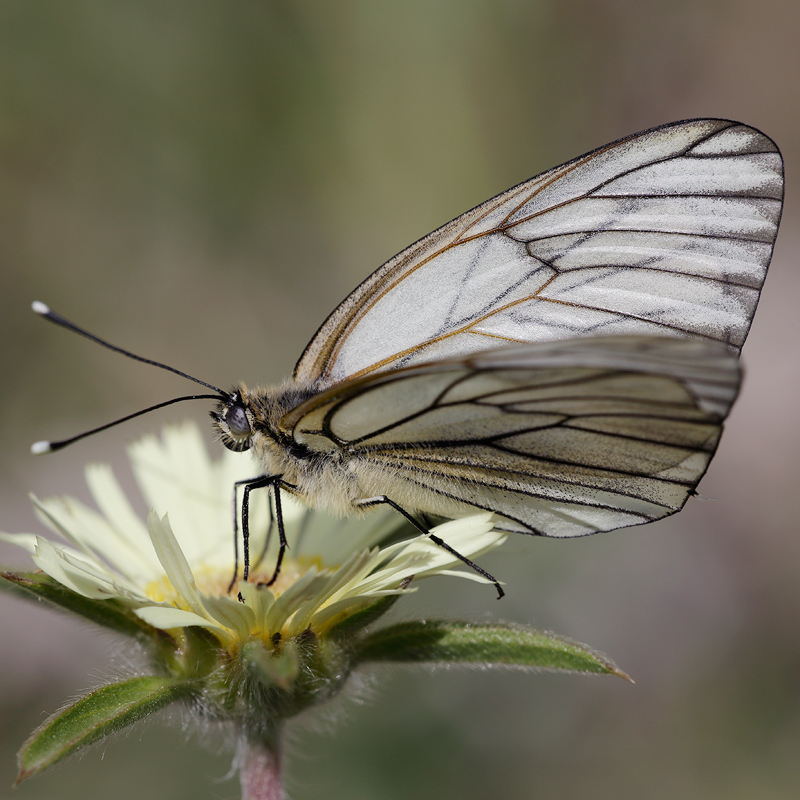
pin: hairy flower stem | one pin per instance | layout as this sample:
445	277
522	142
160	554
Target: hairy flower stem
260	769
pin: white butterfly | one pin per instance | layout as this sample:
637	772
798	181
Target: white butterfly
563	355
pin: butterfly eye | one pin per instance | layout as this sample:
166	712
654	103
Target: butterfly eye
232	423
237	422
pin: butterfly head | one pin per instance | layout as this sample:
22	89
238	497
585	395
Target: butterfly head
233	421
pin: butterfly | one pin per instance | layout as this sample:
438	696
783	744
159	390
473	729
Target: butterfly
562	355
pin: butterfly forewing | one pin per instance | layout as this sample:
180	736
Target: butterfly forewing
562	438
667	232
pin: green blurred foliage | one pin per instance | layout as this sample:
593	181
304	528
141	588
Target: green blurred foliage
201	182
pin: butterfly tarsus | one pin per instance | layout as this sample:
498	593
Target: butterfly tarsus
439	542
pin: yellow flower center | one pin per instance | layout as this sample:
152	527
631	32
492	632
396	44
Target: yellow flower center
214	582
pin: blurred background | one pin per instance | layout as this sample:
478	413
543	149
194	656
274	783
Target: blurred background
203	182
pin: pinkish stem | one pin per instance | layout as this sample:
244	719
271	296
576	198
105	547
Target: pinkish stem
260	770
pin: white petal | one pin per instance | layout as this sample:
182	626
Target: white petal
173	560
232	614
177	475
324	615
168	483
131	537
68	572
420	557
470	575
85	574
353	575
336	584
166	618
94	536
259	598
288	603
70	519
27	541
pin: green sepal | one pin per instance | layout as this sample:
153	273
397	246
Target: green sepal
108	613
271	667
95	716
440	642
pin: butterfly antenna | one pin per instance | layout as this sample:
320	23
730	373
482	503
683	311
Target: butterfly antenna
48	313
48	447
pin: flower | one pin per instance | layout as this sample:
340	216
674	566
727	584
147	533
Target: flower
244	654
175	570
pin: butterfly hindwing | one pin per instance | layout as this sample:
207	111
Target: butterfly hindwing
561	438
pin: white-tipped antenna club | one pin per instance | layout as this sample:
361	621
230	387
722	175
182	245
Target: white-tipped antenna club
38	448
40	308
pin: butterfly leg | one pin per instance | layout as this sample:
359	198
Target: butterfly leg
250	484
384	500
281	531
267	538
245	483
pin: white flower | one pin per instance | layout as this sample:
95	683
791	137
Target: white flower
175	570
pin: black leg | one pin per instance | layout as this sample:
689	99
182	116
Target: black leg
259	483
383	500
236	528
267	538
281	533
249	485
